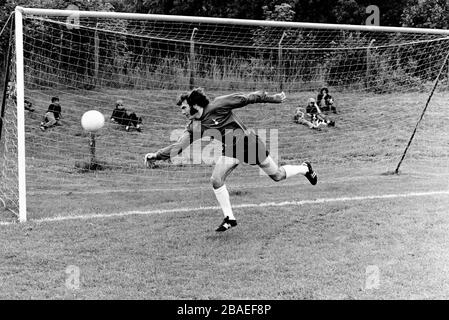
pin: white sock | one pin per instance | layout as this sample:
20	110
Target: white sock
293	170
222	195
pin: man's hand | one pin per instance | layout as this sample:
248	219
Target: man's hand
150	158
279	97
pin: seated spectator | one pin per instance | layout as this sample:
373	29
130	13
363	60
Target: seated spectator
121	116
52	116
302	118
315	112
12	94
312	116
325	101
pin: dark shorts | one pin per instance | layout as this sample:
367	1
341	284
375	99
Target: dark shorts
249	149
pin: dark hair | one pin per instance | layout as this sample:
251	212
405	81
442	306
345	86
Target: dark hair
118	103
324	89
198	97
182	97
194	97
53	99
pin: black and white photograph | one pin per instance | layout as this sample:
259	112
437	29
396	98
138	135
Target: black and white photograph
234	153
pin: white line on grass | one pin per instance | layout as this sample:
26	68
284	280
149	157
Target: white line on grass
239	206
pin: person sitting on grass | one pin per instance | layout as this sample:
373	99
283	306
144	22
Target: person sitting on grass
12	94
121	116
300	118
315	113
325	101
52	116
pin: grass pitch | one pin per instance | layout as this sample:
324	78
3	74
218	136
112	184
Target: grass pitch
162	244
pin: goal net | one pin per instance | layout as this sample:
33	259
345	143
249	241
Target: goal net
380	80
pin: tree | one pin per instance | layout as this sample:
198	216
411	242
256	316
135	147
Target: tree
390	11
349	12
218	8
426	14
282	12
5	11
271	36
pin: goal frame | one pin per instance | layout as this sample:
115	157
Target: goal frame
19	57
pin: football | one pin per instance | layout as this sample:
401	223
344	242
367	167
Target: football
92	120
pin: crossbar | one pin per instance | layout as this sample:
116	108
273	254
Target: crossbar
243	22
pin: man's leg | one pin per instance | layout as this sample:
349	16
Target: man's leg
223	167
133	119
128	122
281	173
333	107
307	123
324	107
50	119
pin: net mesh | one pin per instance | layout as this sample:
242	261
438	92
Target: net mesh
379	81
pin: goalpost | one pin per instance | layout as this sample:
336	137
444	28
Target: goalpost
381	78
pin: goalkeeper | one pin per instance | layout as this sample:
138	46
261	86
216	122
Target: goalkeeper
239	144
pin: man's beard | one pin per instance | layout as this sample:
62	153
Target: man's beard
193	111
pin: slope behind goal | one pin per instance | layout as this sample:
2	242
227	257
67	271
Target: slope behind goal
380	78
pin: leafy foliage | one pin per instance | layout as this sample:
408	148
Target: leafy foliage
426	14
127	57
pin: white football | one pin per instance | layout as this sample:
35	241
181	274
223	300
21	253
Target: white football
92	120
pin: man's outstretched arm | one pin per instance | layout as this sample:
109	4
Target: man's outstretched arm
170	151
239	100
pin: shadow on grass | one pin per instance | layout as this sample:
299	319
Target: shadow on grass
84	167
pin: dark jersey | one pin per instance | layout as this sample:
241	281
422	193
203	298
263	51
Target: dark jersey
327	100
217	121
56	109
312	109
